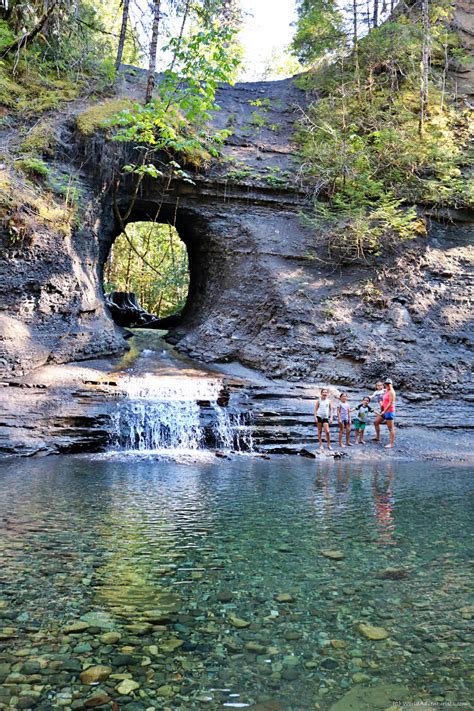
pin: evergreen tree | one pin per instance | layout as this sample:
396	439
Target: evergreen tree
319	30
424	65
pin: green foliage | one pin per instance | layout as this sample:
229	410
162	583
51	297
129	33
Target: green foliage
202	60
66	186
161	128
176	122
160	276
109	16
280	63
74	51
77	44
33	166
319	29
6	35
34	89
27	206
278	178
357	232
373	295
11	91
363	156
258	119
239	172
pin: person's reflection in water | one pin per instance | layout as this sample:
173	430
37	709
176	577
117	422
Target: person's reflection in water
324	499
343	472
384	502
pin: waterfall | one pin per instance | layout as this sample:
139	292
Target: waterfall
160	412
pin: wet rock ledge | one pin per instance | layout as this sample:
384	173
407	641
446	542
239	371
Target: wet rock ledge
70	409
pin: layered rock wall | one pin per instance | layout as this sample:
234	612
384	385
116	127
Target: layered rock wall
263	289
52	309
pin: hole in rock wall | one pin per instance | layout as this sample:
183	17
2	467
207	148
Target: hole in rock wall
146	276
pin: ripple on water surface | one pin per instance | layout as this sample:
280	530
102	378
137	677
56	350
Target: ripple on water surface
216	584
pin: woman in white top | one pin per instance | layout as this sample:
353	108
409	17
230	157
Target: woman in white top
323	417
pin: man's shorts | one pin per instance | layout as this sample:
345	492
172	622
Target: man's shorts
322	420
359	425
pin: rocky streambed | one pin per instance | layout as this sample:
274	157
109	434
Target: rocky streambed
280	586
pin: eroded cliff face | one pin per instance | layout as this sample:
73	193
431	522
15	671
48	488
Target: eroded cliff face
263	290
52	309
463	24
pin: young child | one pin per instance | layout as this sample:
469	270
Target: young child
344	419
323	417
377	395
360	420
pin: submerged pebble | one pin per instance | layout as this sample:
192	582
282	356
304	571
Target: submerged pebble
127	686
372	632
94	674
76	627
333	554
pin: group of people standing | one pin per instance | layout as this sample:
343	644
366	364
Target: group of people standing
382	398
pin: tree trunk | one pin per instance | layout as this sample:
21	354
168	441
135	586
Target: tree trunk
45	30
150	84
375	22
355	40
424	65
123	32
129	265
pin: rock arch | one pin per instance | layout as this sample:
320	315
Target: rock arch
263	291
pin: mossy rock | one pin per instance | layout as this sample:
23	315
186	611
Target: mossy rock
373	633
94	674
10	90
16	194
238	622
97	116
29	92
40	140
333	554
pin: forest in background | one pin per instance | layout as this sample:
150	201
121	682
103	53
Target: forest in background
151	261
385	134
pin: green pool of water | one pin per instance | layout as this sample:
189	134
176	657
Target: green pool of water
227	584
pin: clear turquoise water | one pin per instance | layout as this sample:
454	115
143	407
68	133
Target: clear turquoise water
207	542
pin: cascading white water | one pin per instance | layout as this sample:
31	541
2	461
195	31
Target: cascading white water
160	412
